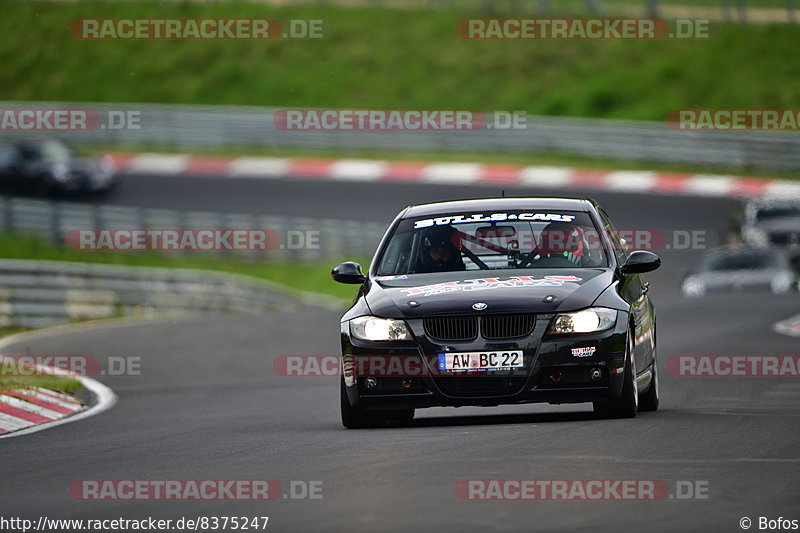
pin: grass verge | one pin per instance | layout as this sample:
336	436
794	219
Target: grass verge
386	59
14	376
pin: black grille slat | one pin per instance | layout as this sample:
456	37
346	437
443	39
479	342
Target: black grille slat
451	328
464	328
506	326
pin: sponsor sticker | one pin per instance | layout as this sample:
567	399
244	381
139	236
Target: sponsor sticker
586	351
480	284
391	278
492	217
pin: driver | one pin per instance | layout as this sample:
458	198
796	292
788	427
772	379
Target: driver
438	252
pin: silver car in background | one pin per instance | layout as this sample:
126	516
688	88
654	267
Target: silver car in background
740	269
771	222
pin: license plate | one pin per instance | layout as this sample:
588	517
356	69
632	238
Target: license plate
468	361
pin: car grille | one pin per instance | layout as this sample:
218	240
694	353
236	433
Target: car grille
506	326
464	328
480	385
451	328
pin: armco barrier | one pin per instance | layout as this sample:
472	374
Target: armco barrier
196	127
333	239
44	293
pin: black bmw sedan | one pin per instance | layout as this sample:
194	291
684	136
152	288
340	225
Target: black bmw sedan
499	301
50	167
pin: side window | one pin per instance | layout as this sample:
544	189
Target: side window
7	156
620	248
398	253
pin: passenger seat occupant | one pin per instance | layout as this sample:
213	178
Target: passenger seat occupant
561	245
438	252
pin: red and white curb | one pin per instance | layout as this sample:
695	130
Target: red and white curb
365	170
26	411
790	326
23	408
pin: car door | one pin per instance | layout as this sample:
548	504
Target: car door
633	290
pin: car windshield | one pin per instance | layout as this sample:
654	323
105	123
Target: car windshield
48	151
766	213
54	151
491	241
741	261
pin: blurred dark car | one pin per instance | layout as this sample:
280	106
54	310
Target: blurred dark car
50	167
740	269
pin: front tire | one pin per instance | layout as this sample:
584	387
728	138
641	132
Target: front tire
356	418
649	400
627	404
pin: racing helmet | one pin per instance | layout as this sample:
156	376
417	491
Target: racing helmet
438	250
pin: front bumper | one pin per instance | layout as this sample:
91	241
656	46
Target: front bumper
552	373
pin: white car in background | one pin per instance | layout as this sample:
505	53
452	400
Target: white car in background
740	269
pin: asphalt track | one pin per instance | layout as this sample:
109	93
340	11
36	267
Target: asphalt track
208	405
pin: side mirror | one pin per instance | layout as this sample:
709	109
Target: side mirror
640	261
349	272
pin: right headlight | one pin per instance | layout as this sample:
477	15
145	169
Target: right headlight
585	321
373	328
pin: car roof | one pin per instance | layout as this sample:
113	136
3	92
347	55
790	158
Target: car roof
492	204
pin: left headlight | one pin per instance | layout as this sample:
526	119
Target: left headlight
586	321
756	236
372	328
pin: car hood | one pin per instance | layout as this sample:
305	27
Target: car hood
503	291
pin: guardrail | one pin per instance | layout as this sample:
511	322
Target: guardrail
332	238
36	294
193	127
42	293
